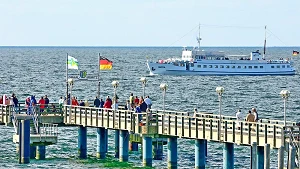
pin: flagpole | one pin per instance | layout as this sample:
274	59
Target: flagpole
99	57
67	79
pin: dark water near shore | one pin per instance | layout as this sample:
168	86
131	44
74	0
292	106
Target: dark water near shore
41	70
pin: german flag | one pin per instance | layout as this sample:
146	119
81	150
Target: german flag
105	64
295	53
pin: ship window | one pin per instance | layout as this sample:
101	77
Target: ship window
250	67
278	66
233	67
283	66
216	66
204	66
161	67
244	67
221	66
288	66
227	66
210	66
192	64
255	67
261	67
176	64
272	66
199	66
239	67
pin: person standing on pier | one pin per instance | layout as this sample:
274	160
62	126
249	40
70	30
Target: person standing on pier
16	102
148	102
136	101
255	114
42	104
101	103
239	118
81	103
131	101
97	102
46	101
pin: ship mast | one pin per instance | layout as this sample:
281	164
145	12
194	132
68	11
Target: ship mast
199	38
265	42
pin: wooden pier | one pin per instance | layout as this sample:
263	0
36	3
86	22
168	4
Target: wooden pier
262	136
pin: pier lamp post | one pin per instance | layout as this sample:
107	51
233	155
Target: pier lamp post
164	87
70	83
220	91
143	80
285	95
115	84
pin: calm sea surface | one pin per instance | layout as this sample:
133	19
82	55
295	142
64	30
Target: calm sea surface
41	70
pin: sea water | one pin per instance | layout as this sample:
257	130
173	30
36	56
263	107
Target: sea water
41	71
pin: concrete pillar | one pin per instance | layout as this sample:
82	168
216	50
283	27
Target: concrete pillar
291	158
40	152
117	143
106	140
281	157
147	151
101	142
133	146
32	152
260	157
24	142
157	150
124	142
228	156
82	142
200	154
205	143
267	156
172	152
253	155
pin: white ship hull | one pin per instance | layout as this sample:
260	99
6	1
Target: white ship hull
226	67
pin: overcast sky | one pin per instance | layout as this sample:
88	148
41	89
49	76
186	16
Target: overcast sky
148	22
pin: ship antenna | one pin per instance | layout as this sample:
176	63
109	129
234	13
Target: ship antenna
265	42
199	38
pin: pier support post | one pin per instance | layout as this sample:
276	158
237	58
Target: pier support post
281	157
228	156
82	142
133	146
147	151
24	142
157	150
253	155
101	142
205	143
172	153
32	152
291	160
260	157
117	143
124	142
40	152
267	156
200	154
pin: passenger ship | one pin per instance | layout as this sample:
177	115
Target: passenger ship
199	62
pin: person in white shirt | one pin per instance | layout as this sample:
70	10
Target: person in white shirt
61	102
148	102
255	114
239	117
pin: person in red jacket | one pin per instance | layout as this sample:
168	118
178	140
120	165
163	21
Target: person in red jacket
42	104
74	102
108	103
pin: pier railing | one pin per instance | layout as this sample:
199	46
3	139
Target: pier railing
181	124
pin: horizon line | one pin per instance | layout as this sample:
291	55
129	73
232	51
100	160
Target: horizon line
141	46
